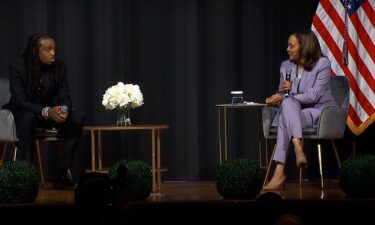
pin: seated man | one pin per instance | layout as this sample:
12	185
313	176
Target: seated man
40	98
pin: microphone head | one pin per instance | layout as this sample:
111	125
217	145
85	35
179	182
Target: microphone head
64	109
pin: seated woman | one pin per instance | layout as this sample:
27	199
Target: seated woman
308	93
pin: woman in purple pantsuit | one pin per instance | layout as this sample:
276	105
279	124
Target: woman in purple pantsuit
309	92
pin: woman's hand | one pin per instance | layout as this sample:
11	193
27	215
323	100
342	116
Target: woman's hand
274	99
286	85
57	115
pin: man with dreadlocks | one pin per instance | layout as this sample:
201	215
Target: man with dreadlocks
40	99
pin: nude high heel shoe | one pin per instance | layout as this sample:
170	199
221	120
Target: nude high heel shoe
300	155
301	160
275	184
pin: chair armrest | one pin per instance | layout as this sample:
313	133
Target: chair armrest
8	127
268	114
332	122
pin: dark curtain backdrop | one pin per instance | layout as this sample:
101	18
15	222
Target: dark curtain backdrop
186	56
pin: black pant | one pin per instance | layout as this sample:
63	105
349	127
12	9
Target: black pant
26	124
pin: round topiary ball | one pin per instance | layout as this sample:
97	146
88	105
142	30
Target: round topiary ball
239	178
134	179
357	176
19	182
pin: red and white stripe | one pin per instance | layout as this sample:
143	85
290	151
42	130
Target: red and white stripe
329	26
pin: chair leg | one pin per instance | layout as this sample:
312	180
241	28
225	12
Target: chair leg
269	166
15	153
320	166
336	153
4	153
40	163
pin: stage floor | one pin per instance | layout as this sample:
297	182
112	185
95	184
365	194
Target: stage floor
197	202
181	191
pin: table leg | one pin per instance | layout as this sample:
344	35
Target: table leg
92	132
225	135
158	161
100	150
260	138
219	128
153	170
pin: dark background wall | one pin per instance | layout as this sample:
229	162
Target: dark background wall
186	55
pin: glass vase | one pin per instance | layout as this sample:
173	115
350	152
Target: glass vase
123	116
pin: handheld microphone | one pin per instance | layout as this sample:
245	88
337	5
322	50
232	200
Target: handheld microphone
64	109
288	74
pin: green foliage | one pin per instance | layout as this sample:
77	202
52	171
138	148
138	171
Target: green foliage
19	182
240	178
134	179
357	176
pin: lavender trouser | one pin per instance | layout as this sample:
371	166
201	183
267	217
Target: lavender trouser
291	121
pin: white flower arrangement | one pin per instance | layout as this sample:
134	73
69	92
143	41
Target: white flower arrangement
122	96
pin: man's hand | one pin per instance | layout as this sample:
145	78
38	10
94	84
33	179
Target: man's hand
274	99
57	115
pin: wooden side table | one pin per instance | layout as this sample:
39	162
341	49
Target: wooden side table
223	141
155	148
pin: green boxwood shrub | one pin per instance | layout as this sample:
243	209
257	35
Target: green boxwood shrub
19	182
238	179
134	179
357	176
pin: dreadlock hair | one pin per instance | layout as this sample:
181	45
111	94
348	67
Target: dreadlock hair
33	64
310	51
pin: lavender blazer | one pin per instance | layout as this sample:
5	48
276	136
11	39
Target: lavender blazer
313	91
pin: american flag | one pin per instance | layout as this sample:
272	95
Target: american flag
346	32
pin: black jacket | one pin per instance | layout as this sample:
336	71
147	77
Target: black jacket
48	95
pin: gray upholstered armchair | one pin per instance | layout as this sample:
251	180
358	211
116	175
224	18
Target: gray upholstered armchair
8	132
331	123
